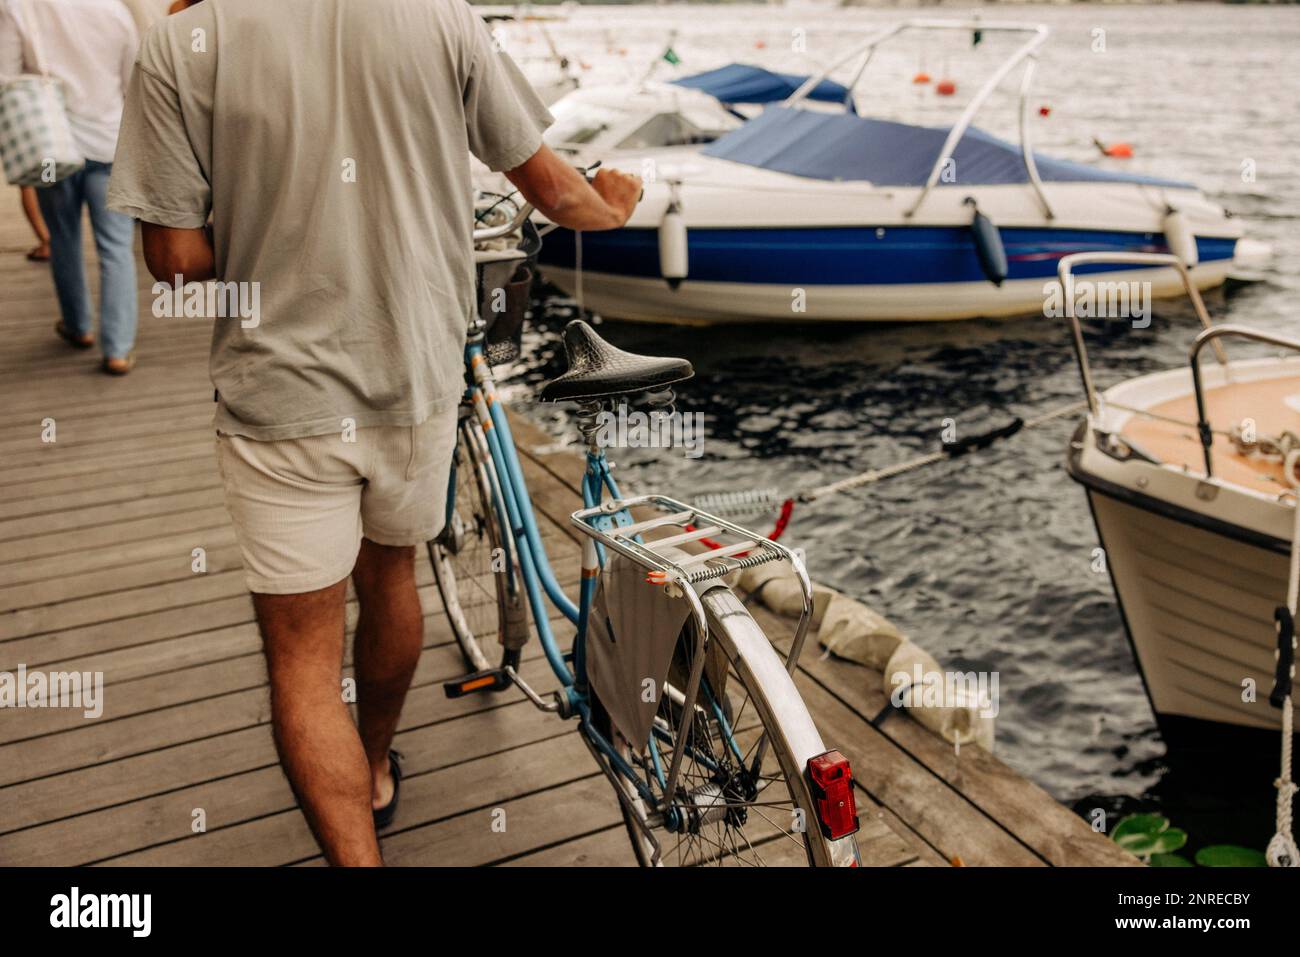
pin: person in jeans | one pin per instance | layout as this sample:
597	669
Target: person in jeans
329	142
90	46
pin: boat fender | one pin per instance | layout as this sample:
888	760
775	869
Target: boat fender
849	629
1285	656
1180	238
988	245
673	258
955	712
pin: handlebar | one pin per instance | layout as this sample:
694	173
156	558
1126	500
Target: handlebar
486	233
505	229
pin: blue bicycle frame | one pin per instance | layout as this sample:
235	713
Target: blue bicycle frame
539	581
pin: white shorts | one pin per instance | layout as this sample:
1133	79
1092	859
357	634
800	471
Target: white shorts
301	506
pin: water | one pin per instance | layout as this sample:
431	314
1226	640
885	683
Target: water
987	562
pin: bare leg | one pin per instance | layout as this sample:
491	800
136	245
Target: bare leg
319	747
32	210
390	634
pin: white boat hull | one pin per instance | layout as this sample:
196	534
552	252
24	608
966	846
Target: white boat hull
770	247
1199	610
1199	565
638	299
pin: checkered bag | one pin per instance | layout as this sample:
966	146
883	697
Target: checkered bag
36	144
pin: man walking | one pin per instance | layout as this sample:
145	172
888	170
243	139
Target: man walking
89	46
329	142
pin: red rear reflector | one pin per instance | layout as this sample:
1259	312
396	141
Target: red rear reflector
831	780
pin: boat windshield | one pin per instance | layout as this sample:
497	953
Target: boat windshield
582	122
669	129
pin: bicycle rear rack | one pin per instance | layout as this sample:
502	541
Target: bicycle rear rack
731	547
736	548
745	549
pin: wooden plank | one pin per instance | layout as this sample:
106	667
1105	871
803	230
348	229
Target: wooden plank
471	787
166	674
164	820
205	760
1017	804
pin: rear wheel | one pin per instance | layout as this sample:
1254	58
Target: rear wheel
470	563
742	797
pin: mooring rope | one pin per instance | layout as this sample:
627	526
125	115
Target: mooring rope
1281	851
759	499
872	476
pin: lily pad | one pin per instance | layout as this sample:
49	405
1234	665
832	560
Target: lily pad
1230	855
1147	834
1170	860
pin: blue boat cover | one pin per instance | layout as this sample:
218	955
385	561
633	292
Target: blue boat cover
843	146
742	83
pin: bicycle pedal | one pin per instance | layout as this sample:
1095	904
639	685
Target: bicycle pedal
493	680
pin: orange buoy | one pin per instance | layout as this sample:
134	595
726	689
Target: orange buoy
760	44
921	77
1119	150
946	87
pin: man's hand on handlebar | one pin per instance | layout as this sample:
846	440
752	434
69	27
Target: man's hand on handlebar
564	196
620	191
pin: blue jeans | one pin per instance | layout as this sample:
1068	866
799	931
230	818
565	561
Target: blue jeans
61	205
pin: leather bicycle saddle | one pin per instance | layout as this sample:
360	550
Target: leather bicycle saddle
598	370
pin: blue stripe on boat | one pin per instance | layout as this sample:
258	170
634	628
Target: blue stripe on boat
852	256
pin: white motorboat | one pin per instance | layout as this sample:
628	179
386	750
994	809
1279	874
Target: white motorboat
1191	475
805	214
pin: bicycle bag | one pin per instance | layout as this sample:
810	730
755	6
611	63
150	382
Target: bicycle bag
638	637
632	632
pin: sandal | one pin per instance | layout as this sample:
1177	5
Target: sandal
384	815
72	339
119	366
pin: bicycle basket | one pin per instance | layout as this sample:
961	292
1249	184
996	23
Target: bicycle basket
504	293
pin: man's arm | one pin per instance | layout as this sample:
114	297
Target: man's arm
564	196
178	252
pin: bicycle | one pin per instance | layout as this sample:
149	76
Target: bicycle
723	755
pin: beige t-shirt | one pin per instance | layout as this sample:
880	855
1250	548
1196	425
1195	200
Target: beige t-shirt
329	140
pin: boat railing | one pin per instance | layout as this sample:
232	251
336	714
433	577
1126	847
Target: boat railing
1065	273
1213	335
1028	51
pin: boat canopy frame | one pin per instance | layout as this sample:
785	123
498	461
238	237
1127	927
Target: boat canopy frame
1065	275
1212	337
1209	335
1026	53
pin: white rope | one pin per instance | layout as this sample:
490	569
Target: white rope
889	471
1281	851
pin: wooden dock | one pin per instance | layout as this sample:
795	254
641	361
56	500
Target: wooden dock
97	534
